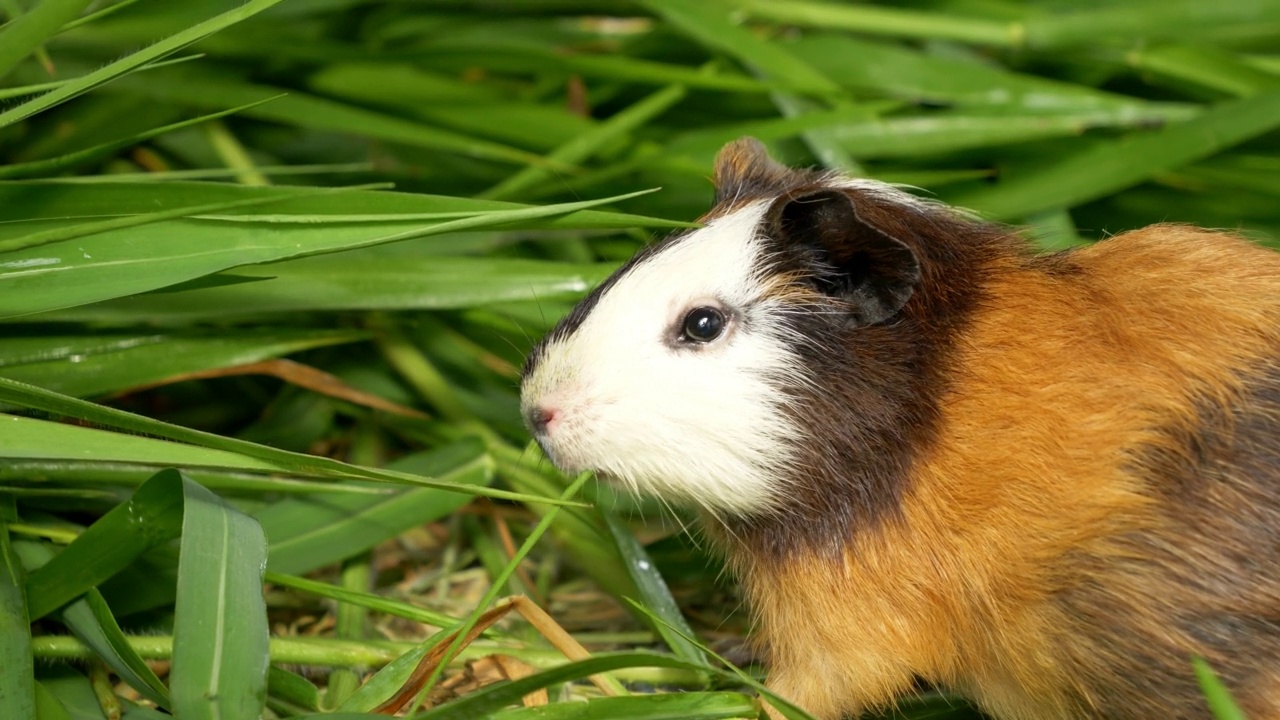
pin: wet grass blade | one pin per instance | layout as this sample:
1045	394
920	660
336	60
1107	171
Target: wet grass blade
151	516
654	593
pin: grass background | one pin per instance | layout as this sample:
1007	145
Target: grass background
268	270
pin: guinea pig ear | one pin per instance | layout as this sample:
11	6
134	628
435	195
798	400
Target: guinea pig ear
744	168
857	262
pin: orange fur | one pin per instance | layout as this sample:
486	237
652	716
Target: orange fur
1060	379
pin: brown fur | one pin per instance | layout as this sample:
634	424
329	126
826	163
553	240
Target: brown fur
1035	498
1070	481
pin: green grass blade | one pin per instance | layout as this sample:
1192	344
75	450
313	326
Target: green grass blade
496	697
589	143
675	706
889	21
36	168
17	683
91	621
1108	166
654	593
47	706
220	633
1206	67
144	257
67	199
80	230
709	23
22	35
351	282
292	688
365	600
132	62
1221	704
306	533
33	397
84	367
151	516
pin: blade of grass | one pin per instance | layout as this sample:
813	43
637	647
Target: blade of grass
1105	167
220	656
889	21
91	621
497	586
654	593
50	165
83	367
354	282
312	531
132	62
149	256
587	144
30	30
151	516
80	230
1204	66
681	706
709	23
377	603
1216	694
17	683
33	397
496	697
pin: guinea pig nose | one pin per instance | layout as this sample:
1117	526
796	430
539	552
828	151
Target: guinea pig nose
540	419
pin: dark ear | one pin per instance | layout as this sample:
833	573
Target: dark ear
744	169
876	274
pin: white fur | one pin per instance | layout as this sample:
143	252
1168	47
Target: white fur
701	424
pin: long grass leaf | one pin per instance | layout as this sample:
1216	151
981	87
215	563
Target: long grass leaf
709	23
91	621
129	63
36	168
28	31
587	144
220	635
29	396
17	681
1108	166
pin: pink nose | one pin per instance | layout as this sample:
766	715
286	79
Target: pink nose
540	419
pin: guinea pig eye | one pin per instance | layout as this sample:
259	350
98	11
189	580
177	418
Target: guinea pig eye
703	324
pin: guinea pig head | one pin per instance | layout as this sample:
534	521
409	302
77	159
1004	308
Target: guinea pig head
681	374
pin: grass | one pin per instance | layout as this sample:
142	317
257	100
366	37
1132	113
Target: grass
268	270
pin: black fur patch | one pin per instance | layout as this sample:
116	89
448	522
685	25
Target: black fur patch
881	384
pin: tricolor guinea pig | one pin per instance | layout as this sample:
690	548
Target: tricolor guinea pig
1043	482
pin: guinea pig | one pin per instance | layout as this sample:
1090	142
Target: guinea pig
1044	482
